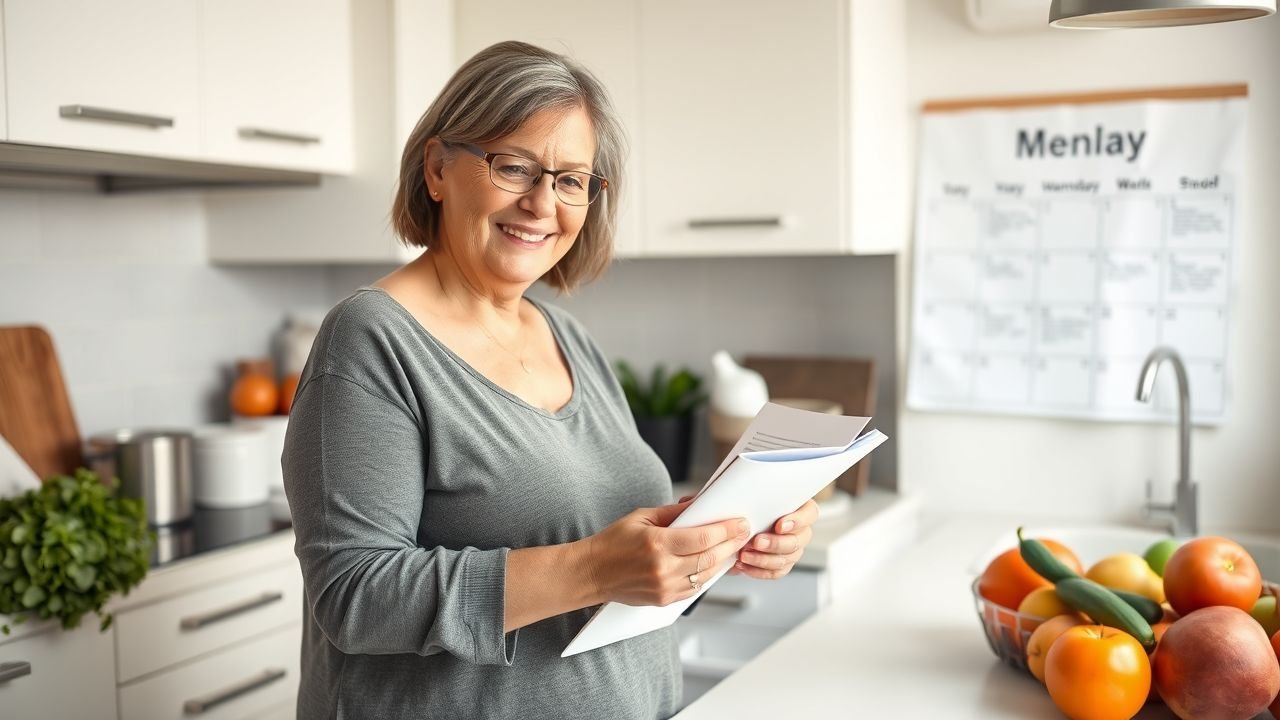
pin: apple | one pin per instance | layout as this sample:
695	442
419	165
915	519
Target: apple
1266	612
1159	553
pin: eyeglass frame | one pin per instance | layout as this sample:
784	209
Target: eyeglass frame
488	157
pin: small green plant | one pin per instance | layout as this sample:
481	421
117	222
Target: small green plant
69	546
664	395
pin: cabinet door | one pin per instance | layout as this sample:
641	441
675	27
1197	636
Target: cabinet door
742	108
602	37
42	668
277	88
117	76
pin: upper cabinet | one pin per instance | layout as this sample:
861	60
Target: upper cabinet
755	117
260	84
116	76
602	37
277	83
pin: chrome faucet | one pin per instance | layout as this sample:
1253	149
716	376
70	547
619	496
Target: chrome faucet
1182	512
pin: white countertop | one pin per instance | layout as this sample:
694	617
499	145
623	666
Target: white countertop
906	642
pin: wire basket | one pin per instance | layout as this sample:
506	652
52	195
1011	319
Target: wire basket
1007	631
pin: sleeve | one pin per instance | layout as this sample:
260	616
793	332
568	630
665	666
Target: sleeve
354	468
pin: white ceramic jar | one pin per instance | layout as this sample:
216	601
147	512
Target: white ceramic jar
230	464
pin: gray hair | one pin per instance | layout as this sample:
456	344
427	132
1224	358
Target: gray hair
491	96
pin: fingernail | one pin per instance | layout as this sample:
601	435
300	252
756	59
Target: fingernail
762	542
743	526
787	525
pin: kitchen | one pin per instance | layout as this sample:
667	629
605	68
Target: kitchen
152	296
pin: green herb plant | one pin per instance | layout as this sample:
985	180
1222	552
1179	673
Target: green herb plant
67	547
663	395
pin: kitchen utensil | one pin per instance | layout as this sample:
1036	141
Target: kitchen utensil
275	426
35	411
154	465
230	466
850	382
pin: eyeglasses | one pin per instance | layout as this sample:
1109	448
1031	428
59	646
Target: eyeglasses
517	174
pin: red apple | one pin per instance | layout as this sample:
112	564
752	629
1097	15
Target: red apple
1216	663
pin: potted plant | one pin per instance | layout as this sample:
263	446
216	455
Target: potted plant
67	547
663	411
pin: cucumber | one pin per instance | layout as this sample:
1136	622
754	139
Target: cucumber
1149	609
1105	608
1046	565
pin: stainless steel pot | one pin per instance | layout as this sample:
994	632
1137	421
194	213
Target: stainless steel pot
154	465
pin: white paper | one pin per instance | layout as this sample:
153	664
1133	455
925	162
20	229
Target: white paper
1048	266
16	476
807	451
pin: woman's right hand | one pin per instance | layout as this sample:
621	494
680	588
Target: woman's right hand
638	560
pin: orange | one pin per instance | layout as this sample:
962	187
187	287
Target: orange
1008	579
1211	571
288	388
254	394
1095	672
1157	629
1042	639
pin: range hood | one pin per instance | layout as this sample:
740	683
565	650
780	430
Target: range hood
53	168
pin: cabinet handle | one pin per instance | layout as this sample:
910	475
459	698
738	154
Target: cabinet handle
254	133
734	602
706	223
89	112
195	622
14	670
200	705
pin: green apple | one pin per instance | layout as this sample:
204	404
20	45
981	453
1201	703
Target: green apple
1158	554
1264	611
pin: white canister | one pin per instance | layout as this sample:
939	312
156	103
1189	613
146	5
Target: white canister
275	426
230	466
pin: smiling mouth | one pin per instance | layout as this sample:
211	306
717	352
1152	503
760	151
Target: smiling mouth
523	236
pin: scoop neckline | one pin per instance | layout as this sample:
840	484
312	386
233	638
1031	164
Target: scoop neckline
565	412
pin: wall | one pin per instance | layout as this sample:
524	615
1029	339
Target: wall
680	311
146	331
1091	470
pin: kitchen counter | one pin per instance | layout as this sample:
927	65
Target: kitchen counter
905	643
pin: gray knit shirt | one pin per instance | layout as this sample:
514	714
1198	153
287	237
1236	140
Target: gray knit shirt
410	475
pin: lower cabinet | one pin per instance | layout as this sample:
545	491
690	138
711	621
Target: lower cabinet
56	673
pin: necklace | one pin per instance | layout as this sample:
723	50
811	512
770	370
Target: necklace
518	356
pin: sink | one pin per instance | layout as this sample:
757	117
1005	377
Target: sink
1091	543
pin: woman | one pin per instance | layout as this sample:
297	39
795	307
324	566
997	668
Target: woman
462	467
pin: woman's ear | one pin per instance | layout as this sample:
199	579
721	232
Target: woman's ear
433	168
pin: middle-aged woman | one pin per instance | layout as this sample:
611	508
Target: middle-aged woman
465	477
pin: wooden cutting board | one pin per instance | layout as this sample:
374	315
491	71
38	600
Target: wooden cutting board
845	380
35	410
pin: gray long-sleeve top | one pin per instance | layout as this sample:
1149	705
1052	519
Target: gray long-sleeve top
410	475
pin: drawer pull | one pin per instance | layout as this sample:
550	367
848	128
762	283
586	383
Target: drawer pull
733	602
14	670
254	133
195	622
201	705
706	223
89	112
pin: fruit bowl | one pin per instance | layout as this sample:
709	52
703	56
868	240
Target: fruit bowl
1007	631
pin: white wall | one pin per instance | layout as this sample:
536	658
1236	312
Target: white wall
1097	470
146	331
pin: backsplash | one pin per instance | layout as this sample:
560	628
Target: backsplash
147	332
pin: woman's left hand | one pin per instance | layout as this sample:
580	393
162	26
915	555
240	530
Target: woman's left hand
770	555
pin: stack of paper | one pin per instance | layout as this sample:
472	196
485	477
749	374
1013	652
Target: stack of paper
784	458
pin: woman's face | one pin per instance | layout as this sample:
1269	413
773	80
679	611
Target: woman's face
502	239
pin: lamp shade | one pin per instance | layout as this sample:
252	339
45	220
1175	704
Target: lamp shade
1095	14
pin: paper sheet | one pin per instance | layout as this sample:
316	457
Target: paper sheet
806	451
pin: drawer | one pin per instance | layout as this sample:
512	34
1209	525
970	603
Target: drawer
247	680
781	603
42	668
156	636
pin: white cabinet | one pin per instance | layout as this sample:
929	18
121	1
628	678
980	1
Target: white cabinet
602	37
276	78
117	76
755	116
69	675
4	114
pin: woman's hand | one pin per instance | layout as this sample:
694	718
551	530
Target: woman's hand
638	560
770	555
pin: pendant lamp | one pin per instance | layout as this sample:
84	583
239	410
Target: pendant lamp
1153	13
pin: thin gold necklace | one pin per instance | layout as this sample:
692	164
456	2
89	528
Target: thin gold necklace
520	356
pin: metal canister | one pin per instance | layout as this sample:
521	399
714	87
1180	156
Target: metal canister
153	465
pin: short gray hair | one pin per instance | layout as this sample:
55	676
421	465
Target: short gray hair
491	96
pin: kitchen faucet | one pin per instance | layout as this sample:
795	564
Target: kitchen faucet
1182	512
